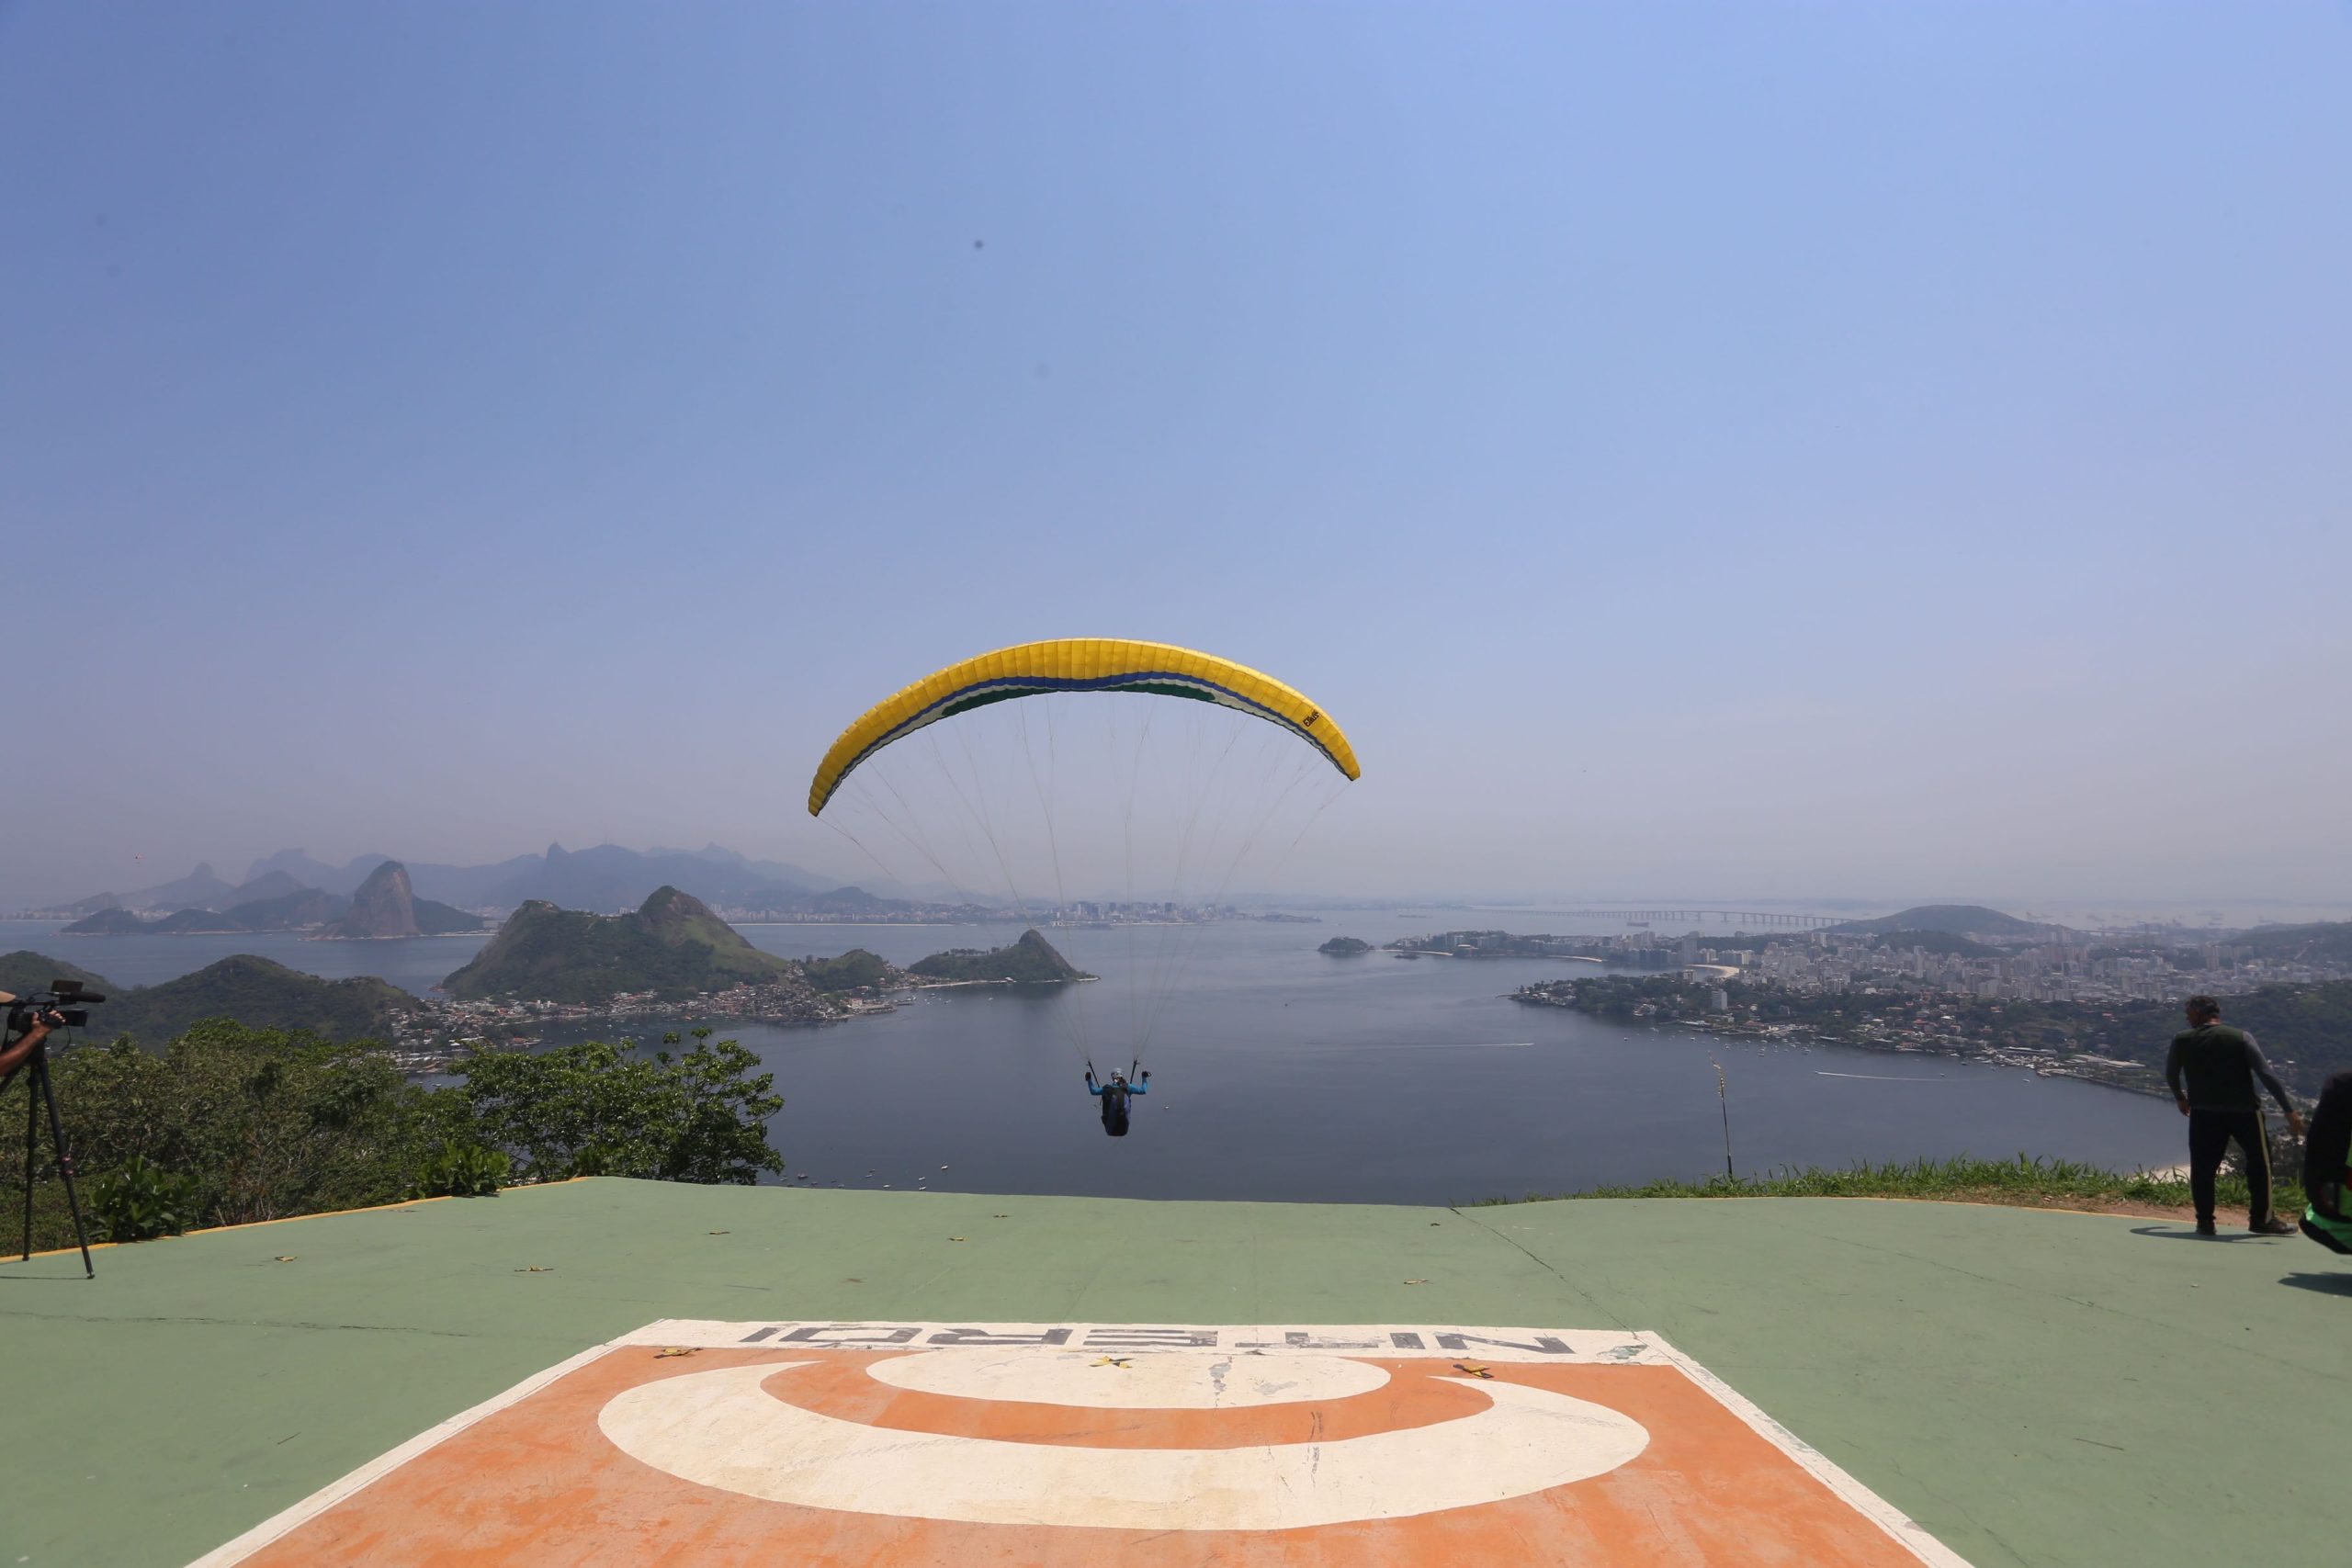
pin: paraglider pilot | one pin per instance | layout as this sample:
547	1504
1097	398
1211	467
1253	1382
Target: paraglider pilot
2327	1167
1115	1095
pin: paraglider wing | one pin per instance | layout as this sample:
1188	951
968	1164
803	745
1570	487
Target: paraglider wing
1078	664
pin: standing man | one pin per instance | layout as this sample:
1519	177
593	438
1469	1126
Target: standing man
2211	1068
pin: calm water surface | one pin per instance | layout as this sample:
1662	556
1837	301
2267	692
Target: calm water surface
1280	1073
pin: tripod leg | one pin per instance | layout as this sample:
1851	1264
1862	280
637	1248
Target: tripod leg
32	1132
64	1163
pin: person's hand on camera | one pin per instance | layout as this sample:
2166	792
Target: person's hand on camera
17	1052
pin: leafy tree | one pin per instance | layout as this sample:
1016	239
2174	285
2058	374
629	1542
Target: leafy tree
601	1108
269	1123
229	1124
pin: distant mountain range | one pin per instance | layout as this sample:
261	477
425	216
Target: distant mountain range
384	906
200	889
607	879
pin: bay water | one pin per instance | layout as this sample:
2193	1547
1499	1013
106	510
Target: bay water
1280	1073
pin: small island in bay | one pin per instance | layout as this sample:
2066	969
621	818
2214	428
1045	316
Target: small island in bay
1345	947
106	922
1032	961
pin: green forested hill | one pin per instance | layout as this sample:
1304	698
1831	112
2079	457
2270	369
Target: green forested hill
24	972
851	971
1944	942
252	990
672	946
2305	1031
259	995
106	922
441	920
1030	961
1959	920
2322	941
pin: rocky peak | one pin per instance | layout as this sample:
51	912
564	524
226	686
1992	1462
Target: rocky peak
384	906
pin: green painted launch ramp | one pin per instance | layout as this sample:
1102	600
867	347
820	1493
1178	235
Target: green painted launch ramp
2030	1387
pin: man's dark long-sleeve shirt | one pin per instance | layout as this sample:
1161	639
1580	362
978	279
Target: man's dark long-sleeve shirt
2220	1065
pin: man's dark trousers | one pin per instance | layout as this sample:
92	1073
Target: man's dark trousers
2210	1132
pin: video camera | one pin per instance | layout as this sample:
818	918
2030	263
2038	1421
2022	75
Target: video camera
68	998
69	1003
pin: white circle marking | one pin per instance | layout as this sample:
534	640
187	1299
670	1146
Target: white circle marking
1093	1381
721	1429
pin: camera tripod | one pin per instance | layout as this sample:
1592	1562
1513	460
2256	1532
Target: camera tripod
40	1094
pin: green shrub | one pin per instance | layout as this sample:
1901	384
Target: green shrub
270	1123
139	1199
601	1108
229	1124
461	1171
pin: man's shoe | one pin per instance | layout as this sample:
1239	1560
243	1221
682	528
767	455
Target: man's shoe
2274	1226
2205	1227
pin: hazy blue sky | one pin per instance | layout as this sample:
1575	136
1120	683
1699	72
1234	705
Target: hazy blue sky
1738	450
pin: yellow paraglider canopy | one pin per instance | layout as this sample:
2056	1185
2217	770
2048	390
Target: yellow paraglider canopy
1078	664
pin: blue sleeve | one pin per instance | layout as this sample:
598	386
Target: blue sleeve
1138	1087
1093	1088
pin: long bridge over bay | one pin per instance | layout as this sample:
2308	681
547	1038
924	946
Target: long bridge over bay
1753	918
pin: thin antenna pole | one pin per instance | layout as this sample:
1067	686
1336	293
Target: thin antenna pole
1722	1098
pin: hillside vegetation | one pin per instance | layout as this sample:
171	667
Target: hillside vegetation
1957	919
2305	1031
2320	942
225	1124
854	970
1030	961
106	922
672	946
24	972
260	995
252	990
2023	1182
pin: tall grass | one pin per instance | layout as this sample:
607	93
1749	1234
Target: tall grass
2022	1180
